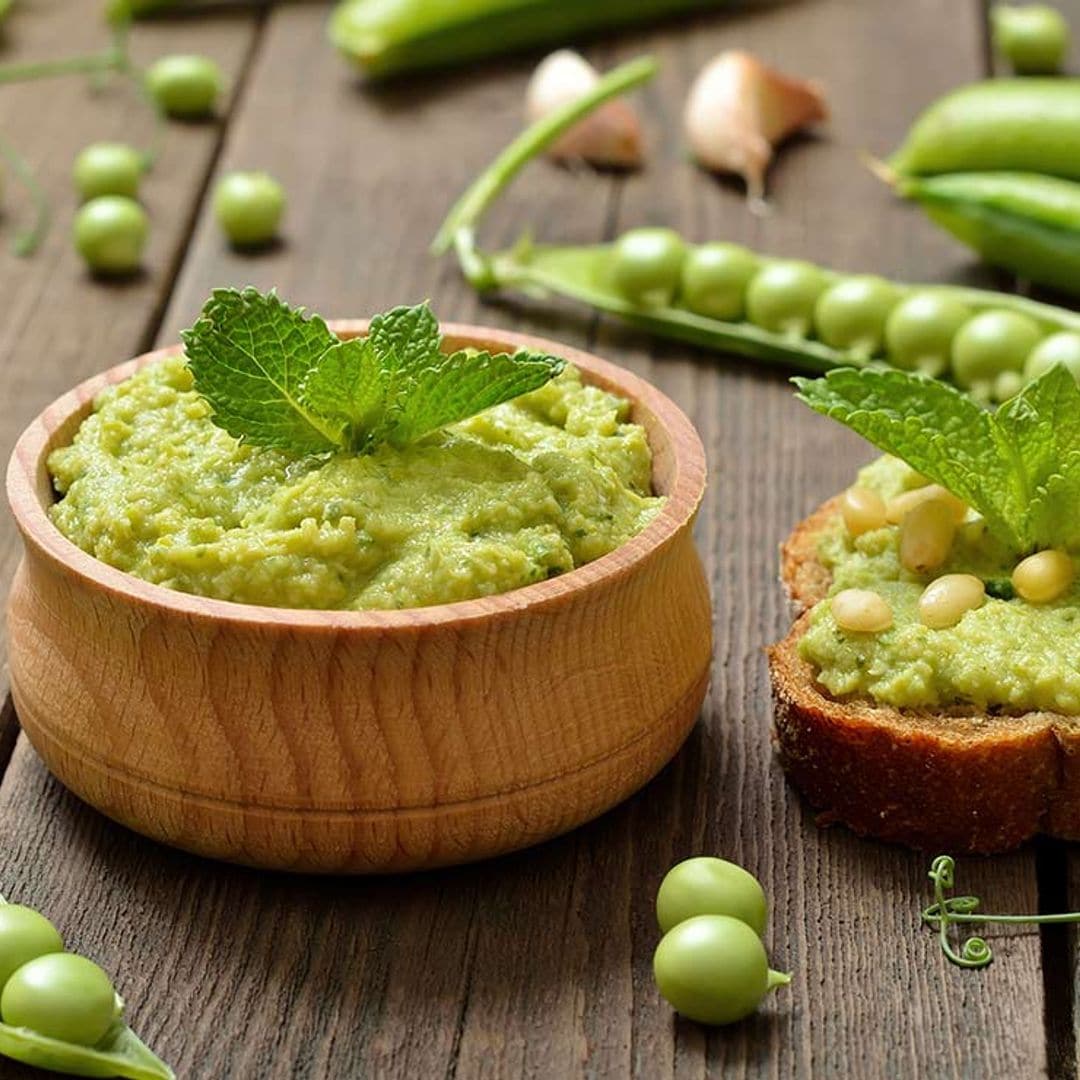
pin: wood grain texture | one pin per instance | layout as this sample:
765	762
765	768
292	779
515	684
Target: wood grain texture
49	122
363	741
537	965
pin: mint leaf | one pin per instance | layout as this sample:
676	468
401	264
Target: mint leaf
458	386
937	430
249	354
1018	467
281	379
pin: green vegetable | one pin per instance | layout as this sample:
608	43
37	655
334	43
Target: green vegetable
713	969
385	37
949	910
277	378
108	169
920	330
248	207
714	280
110	234
59	1011
1062	348
647	264
991	343
781	297
24	936
184	86
709	886
1012	125
778	297
1019	467
1034	38
851	314
1026	223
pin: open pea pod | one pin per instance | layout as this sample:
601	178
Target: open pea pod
121	1053
591	275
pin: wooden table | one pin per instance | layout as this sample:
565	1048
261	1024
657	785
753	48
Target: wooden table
538	964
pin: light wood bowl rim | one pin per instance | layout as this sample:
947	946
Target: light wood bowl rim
683	499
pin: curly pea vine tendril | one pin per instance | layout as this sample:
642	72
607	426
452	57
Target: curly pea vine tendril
947	910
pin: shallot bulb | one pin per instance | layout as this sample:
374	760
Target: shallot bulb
609	136
739	109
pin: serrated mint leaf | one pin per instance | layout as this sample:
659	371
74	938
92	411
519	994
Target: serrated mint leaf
349	388
249	354
282	379
1019	467
458	386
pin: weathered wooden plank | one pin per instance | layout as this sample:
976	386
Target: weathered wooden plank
539	964
60	325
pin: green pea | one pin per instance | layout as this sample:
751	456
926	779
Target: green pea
714	280
1008	384
713	969
61	996
782	295
992	342
107	168
851	314
1060	348
920	330
709	886
646	265
184	86
110	234
248	206
1033	38
24	935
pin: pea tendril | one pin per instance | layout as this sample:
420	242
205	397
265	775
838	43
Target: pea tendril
975	952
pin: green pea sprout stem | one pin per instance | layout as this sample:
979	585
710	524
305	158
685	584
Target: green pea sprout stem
532	141
947	910
27	241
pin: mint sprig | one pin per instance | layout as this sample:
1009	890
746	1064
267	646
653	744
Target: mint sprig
1019	467
279	378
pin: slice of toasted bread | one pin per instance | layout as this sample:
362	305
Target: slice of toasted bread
956	780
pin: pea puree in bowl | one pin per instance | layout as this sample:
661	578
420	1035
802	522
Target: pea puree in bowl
519	493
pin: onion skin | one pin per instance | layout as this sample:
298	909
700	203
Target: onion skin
739	109
609	137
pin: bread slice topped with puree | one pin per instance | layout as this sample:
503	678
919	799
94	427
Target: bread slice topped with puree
929	690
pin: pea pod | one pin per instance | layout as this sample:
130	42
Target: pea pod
384	37
46	988
1015	125
787	299
1020	221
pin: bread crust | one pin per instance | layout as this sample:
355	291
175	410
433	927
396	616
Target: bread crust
955	780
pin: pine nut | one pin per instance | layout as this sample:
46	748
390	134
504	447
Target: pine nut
1044	576
863	510
899	507
946	600
926	535
862	611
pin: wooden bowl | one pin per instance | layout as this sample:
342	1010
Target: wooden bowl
362	741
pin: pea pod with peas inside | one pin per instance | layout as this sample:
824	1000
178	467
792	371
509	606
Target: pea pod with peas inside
730	300
59	1011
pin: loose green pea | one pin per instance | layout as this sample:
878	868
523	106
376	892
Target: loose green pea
1008	384
110	234
1033	38
710	886
24	935
108	168
992	342
851	314
714	280
248	206
61	996
184	86
1059	348
713	969
782	295
920	330
647	264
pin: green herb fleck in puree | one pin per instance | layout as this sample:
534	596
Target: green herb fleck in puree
1006	655
516	494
